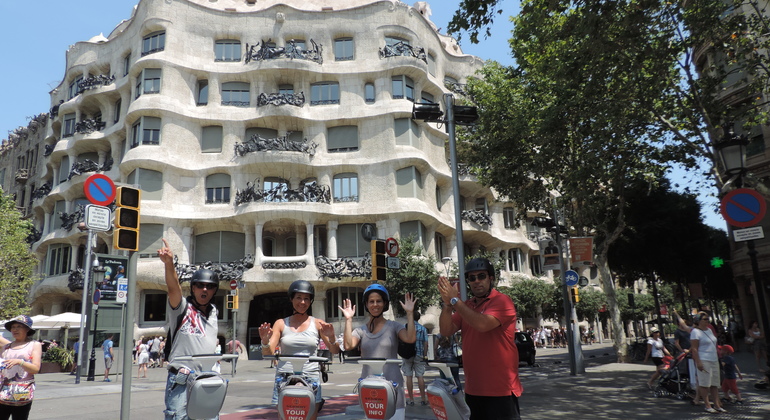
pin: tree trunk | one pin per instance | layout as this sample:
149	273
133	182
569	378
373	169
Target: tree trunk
619	334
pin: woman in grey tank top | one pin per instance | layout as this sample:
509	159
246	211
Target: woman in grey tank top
299	335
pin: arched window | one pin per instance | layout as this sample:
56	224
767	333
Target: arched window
218	189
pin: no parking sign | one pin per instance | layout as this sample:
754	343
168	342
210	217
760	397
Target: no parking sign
743	207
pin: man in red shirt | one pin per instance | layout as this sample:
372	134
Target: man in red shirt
490	358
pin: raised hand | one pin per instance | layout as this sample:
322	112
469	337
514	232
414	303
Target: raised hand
409	302
348	309
265	332
166	254
327	330
446	290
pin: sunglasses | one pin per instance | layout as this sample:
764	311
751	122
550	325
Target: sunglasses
481	276
204	285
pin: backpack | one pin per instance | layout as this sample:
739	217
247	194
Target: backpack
406	350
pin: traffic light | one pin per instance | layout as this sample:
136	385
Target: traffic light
575	294
232	302
379	261
126	233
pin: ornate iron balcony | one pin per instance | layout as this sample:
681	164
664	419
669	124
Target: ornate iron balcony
88	165
308	192
346	199
225	271
34	235
344	267
154	50
258	144
89	125
401	48
284	265
49	149
76	279
264	51
241	104
458	88
42	191
71	219
93	82
296	99
477	216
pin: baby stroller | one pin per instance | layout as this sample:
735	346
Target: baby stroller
673	381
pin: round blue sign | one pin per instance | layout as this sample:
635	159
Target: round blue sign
97	296
743	207
571	277
99	189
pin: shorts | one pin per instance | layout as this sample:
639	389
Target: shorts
493	408
709	376
108	363
658	361
414	366
730	385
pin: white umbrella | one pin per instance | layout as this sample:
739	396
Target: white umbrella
62	320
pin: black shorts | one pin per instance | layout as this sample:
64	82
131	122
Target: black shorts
493	408
658	361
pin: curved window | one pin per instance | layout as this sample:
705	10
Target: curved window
151	183
514	260
203	93
227	50
343	49
509	217
219	247
409	182
350	244
148	82
211	139
64	169
406	131
263	133
369	93
345	187
217	188
439	243
403	87
59	259
69	125
58	209
153	42
342	138
145	131
235	94
325	93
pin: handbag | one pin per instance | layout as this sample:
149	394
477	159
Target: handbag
749	339
17	392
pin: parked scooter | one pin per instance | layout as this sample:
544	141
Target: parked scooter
296	392
376	394
206	388
445	397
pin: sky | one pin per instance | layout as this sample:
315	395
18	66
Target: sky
36	36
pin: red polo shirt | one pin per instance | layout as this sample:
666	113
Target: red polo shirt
490	359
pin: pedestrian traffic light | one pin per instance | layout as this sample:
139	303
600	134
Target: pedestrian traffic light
126	233
379	261
575	294
232	302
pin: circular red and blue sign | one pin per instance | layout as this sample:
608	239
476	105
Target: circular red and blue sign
100	190
743	207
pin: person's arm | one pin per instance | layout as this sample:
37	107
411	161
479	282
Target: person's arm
326	331
446	326
408	335
348	310
649	351
172	279
480	322
738	371
3	341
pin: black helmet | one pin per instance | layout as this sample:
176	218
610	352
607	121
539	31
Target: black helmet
480	264
204	275
301	286
376	287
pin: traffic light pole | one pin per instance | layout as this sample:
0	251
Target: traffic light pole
449	103
84	307
127	337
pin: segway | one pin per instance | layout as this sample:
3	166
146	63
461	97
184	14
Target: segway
296	392
206	389
376	394
446	399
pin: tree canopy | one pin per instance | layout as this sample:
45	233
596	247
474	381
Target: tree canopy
417	275
17	262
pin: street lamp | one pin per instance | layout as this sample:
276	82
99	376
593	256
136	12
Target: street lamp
455	114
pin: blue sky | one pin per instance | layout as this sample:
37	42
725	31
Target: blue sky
37	34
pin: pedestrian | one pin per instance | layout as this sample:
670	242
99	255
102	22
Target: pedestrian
76	357
234	349
298	335
415	365
108	357
756	338
683	345
379	337
655	350
704	353
192	328
490	358
731	374
19	362
143	358
155	352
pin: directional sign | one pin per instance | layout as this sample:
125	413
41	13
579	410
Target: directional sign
571	277
98	218
99	189
391	247
122	295
233	284
743	207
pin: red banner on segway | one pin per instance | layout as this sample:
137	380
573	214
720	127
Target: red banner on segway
295	408
437	405
374	402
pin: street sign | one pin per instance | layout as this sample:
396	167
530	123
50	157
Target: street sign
122	295
98	218
394	262
97	296
391	247
748	234
233	284
581	249
571	277
99	189
743	207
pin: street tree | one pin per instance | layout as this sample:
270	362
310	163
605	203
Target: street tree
591	302
529	295
17	262
417	275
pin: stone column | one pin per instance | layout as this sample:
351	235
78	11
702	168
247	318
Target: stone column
250	247
258	244
300	242
331	230
185	257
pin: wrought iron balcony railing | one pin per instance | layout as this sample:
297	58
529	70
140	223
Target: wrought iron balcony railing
93	82
296	99
88	165
308	192
282	144
89	125
403	49
42	191
68	220
225	271
266	51
49	149
344	267
477	216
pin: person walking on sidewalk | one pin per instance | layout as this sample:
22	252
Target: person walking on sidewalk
655	350
731	373
415	365
704	353
108	357
192	330
490	358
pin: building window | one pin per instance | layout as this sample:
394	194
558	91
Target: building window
427	98
227	50
432	65
58	209
342	138
118	105
203	93
439	199
126	64
73	90
150	181
325	93
343	49
219	247
416	230
211	139
64	168
509	217
69	125
218	189
59	259
345	187
150	241
153	43
145	131
148	82
154	305
286	90
481	205
402	88
514	260
534	265
350	244
409	183
407	132
264	133
439	243
335	297
236	94
275	189
369	93
393	40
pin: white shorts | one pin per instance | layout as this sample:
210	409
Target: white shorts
709	376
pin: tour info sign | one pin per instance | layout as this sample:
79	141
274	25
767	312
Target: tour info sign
115	277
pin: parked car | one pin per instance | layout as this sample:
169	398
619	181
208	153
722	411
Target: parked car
526	348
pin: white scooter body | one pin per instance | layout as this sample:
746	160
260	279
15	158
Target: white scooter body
376	394
447	400
296	399
207	390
